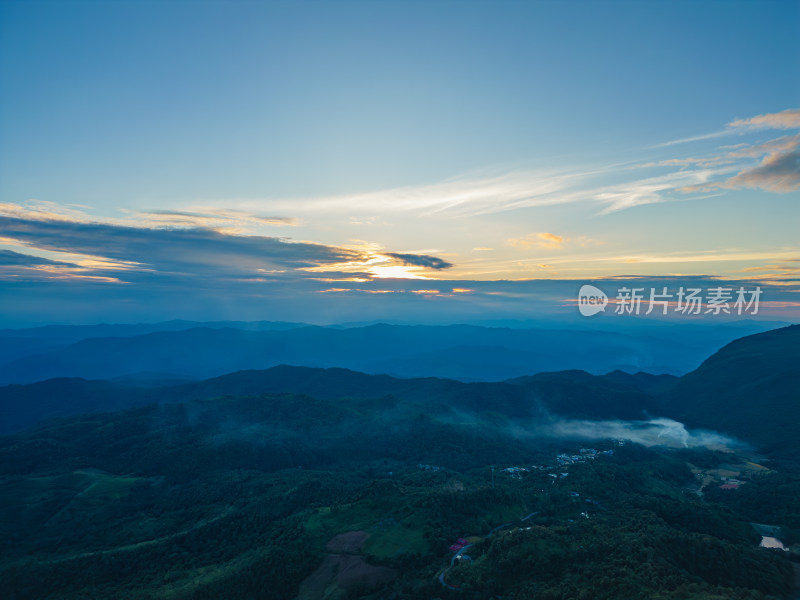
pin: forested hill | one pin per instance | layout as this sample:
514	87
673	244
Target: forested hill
750	388
574	394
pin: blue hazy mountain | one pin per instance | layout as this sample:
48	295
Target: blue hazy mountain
180	350
19	343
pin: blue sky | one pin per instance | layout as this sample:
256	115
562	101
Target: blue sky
257	155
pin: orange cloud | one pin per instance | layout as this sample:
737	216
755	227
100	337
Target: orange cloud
539	240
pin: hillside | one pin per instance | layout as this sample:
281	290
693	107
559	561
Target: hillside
22	406
749	388
252	497
574	394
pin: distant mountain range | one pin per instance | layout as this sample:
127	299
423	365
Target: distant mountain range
750	388
153	354
19	343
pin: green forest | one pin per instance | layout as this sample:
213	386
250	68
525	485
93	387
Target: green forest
244	497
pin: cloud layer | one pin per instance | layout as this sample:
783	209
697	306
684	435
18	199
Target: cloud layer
76	246
230	255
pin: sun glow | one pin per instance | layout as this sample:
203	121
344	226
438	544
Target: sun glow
395	272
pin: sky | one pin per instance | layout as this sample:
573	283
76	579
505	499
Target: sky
421	161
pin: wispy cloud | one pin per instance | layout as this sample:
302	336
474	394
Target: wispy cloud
649	190
234	221
226	220
538	240
695	138
727	168
787	119
45	210
762	164
467	195
721	255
